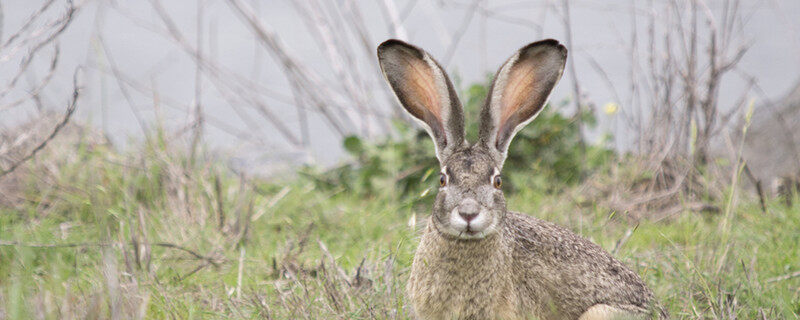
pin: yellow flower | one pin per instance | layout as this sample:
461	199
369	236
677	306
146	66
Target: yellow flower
610	108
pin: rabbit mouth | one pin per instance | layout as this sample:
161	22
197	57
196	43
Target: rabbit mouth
471	232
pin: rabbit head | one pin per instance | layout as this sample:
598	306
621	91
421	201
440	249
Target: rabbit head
470	203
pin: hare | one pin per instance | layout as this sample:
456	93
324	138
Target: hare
476	259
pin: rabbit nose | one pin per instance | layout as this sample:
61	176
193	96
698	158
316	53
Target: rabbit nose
468	209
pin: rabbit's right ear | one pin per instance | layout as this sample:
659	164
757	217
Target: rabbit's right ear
425	92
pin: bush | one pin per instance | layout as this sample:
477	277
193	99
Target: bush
547	154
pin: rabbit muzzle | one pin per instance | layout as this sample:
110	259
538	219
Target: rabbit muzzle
470	220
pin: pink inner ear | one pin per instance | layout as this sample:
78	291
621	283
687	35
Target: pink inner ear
518	92
422	87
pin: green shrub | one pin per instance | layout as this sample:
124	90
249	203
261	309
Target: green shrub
547	154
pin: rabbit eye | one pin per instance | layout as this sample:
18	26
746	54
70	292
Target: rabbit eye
442	180
497	182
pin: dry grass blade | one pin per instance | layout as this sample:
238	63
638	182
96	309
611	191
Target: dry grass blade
784	277
215	261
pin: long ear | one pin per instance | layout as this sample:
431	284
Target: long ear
425	92
519	92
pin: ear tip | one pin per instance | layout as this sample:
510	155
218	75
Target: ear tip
551	44
395	43
390	43
556	44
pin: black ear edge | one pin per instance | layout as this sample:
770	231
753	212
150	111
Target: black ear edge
393	44
546	43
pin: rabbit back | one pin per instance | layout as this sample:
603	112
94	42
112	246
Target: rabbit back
559	272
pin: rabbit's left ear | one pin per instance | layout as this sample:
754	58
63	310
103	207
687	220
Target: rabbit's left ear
519	92
425	92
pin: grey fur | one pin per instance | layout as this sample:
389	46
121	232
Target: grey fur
509	265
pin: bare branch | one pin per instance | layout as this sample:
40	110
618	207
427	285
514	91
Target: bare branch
459	33
301	79
58	26
70	110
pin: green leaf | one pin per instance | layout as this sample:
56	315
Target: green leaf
353	145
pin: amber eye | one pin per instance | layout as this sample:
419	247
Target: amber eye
442	180
497	182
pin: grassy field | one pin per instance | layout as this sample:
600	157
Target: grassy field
88	232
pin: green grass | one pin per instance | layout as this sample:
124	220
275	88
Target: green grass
299	247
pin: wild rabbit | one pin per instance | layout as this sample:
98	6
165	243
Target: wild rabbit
476	259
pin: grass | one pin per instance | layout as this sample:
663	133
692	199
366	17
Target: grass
88	232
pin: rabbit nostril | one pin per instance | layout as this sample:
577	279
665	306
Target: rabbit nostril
468	216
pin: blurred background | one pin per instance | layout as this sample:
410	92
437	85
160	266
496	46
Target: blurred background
270	83
202	128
